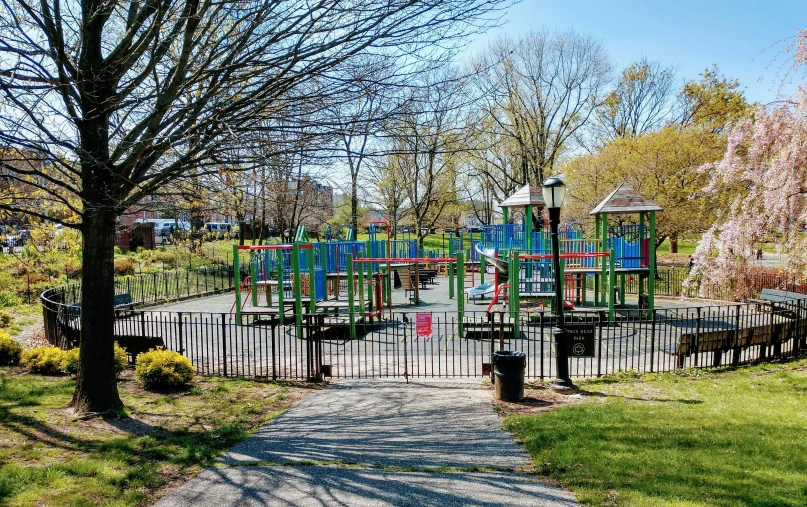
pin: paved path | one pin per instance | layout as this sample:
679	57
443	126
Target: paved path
376	443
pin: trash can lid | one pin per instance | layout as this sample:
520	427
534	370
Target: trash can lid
509	353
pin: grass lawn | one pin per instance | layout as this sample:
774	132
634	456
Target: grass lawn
692	438
49	458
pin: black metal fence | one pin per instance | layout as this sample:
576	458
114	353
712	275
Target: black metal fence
671	283
61	305
263	347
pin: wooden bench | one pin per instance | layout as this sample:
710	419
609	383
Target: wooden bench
720	341
785	303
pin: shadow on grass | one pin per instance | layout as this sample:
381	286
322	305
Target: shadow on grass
127	461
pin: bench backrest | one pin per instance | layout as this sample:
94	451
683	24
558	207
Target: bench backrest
122	299
781	296
406	279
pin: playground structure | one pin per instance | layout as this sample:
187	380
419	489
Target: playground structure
352	282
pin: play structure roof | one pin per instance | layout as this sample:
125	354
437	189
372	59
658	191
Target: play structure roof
526	195
625	200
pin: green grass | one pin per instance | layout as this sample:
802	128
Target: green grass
733	438
47	458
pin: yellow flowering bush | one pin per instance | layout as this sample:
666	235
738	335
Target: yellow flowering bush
163	368
10	350
70	360
46	359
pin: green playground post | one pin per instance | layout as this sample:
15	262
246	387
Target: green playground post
622	286
312	286
360	275
387	248
604	232
597	276
482	268
281	289
514	304
651	277
369	268
350	298
528	233
298	296
253	280
237	279
611	285
504	214
451	266
461	291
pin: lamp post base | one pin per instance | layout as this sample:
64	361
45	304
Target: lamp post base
562	386
562	383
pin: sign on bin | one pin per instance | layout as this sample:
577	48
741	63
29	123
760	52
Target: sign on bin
580	340
423	325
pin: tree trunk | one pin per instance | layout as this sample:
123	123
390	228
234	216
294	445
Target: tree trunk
96	385
354	204
674	243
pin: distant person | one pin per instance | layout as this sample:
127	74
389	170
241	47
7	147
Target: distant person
691	262
759	254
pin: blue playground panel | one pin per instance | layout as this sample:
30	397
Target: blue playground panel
630	244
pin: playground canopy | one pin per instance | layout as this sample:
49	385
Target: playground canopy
625	200
527	195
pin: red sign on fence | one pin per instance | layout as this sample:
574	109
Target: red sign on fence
424	325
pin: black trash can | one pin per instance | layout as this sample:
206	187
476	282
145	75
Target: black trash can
508	369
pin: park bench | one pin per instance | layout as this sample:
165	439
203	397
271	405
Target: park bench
782	302
724	340
122	302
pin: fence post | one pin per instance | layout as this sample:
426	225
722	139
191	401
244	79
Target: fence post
601	315
491	319
179	334
224	343
697	334
798	342
652	338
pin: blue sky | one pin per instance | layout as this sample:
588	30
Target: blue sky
688	35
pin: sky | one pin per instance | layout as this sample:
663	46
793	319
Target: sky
744	38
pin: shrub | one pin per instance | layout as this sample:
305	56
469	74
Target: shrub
46	359
167	258
70	360
10	350
34	278
8	299
18	269
5	319
163	368
124	267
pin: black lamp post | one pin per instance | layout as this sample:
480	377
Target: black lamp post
554	191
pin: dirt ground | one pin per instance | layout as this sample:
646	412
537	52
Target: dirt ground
537	398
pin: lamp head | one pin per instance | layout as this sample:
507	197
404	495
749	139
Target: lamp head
554	191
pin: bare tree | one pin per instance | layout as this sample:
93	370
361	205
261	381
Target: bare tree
641	100
538	93
426	140
121	97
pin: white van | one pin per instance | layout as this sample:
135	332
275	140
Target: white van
218	230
